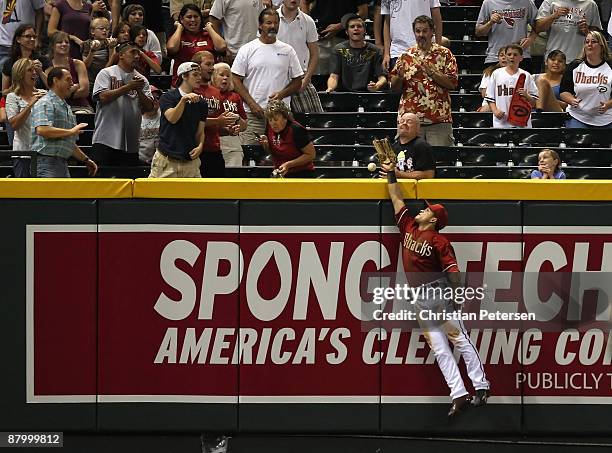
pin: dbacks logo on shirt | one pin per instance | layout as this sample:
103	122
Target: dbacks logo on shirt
510	15
504	90
230	106
194	44
422	248
599	79
118	83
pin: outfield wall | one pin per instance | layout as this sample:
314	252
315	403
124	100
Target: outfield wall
235	306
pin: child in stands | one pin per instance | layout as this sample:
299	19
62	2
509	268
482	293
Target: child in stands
502	85
147	60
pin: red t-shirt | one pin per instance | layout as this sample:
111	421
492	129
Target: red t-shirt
232	102
212	96
142	66
424	251
190	45
288	144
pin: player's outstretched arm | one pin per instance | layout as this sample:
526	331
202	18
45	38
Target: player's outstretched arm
395	191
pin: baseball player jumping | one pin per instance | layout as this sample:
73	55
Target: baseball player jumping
429	260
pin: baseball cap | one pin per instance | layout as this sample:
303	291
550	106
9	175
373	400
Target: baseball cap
186	67
347	18
125	46
440	213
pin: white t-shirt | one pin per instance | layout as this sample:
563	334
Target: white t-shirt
239	18
297	33
22	141
402	15
500	90
266	68
14	14
592	85
484	83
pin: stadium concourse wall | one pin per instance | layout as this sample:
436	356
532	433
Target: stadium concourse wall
234	306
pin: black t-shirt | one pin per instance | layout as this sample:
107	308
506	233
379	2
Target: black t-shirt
327	12
7	69
414	155
356	67
177	140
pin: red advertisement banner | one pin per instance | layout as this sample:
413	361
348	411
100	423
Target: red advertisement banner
172	313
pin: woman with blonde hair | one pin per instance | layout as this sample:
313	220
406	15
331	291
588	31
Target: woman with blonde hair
289	143
19	102
587	84
230	102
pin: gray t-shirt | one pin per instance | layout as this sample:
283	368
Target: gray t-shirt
118	122
516	14
563	33
239	19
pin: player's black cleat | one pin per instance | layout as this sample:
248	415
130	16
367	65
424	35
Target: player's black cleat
459	405
482	395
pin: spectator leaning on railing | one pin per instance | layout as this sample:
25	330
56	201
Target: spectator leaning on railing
549	166
54	130
414	156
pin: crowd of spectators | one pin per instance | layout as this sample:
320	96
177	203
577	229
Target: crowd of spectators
235	63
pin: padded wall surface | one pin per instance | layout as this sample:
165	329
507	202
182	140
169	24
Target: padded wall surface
160	368
48	272
319	382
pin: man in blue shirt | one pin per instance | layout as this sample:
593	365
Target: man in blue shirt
181	129
54	129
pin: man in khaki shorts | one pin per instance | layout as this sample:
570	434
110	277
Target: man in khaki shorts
181	129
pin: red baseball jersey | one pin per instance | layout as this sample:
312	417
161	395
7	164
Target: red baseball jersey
212	96
425	251
190	45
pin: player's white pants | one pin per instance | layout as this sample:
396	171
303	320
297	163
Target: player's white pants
437	336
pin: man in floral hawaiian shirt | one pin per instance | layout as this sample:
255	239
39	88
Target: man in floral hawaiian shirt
425	73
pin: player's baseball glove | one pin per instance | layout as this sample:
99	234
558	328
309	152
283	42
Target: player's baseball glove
384	151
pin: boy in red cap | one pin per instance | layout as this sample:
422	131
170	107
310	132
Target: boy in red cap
429	261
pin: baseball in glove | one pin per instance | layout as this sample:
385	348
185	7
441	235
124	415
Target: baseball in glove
384	151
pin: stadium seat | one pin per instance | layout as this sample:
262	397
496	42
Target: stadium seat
473	119
470	102
472	172
468	47
586	157
524	156
521	172
380	102
472	136
588	137
484	157
332	136
456	30
445	155
588	172
548	119
463	13
473	63
469	82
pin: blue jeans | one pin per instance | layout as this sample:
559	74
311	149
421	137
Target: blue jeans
51	167
573	123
